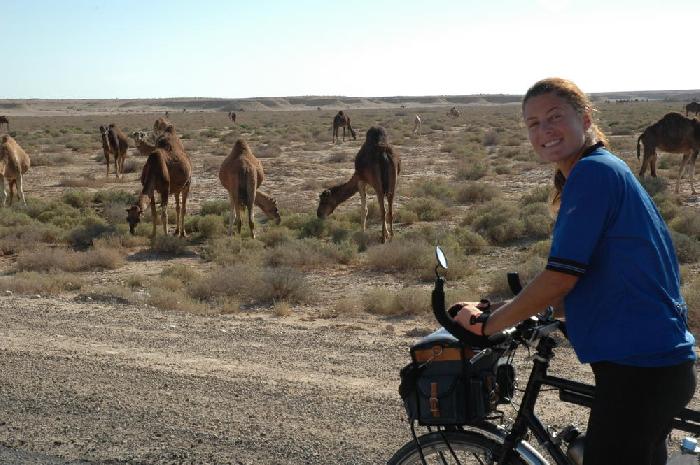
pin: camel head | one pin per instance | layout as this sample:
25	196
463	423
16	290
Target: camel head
326	204
138	136
133	217
376	135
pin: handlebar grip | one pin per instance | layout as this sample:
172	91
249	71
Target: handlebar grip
514	283
457	330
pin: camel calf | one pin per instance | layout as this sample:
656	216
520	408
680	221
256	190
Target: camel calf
14	162
673	133
376	165
241	174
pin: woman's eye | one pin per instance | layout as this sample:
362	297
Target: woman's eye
556	117
532	125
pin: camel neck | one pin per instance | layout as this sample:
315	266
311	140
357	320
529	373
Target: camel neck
346	190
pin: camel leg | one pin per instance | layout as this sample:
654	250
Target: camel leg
107	157
251	224
691	168
154	219
177	215
183	211
116	166
164	212
239	213
362	188
3	193
20	189
686	156
382	213
232	218
652	164
390	213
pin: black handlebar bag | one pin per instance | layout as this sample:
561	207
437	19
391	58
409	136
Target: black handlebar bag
441	387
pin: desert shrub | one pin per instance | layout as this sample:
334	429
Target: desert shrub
232	250
215	207
499	222
400	255
285	284
48	259
503	169
136	280
537	220
476	192
536	195
491	138
691	293
114	196
427	209
313	227
687	249
687	221
209	226
77	199
308	252
268	151
405	216
668	206
339	157
110	293
471	171
131	166
184	273
437	188
275	236
11	217
388	302
40	283
83	236
167	299
172	245
470	241
654	186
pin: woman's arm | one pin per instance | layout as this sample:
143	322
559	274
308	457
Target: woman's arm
548	288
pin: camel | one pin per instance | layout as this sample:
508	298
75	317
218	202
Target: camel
454	112
168	170
417	125
232	116
692	107
142	145
118	144
167	114
342	120
4	120
14	163
106	148
241	175
376	165
161	126
673	133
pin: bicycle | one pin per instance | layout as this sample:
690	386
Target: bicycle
479	440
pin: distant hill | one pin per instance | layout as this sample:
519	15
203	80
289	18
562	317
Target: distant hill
98	106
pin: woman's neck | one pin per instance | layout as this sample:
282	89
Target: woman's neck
565	166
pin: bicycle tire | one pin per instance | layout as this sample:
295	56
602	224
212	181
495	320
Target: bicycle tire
470	448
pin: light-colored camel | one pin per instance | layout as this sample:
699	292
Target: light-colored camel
417	125
692	107
241	174
376	165
673	133
119	145
454	112
168	170
4	120
342	120
142	145
14	163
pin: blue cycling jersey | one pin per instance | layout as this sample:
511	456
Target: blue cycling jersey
626	306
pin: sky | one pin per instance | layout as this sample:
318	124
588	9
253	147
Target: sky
257	48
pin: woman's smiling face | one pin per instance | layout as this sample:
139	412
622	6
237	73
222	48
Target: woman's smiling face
556	130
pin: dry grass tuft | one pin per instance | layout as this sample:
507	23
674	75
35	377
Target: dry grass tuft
40	283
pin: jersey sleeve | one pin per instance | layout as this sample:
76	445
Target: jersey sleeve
586	203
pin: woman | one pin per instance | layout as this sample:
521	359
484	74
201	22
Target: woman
613	273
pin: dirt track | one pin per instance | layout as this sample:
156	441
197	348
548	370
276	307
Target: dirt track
105	383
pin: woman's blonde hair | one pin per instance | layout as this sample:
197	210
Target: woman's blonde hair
581	104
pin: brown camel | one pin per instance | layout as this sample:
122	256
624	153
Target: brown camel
232	116
168	170
241	174
454	112
118	144
342	120
3	120
160	127
692	107
376	165
14	163
106	148
673	133
142	145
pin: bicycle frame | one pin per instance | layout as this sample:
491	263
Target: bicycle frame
570	392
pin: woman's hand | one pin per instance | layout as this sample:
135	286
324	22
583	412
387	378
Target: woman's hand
466	311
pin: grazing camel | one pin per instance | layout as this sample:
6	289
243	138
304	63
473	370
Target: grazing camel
454	112
118	144
417	125
241	174
376	165
3	120
142	145
692	107
168	170
342	120
14	163
673	133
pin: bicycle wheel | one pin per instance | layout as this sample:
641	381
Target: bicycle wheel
465	448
